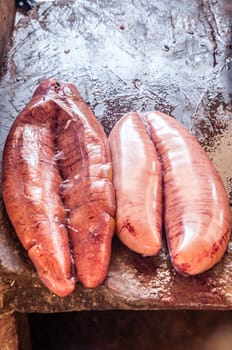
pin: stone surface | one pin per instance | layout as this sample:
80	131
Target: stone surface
7	16
135	55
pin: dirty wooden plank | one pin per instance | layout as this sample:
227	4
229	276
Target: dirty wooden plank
7	16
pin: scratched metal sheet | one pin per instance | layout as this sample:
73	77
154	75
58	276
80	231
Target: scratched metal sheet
174	56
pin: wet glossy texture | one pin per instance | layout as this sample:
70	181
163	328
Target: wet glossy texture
31	184
87	190
137	180
196	206
173	56
57	187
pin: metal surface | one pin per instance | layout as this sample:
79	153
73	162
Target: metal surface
132	55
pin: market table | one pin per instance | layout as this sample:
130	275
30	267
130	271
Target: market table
132	55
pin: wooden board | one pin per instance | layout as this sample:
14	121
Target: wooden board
122	56
7	16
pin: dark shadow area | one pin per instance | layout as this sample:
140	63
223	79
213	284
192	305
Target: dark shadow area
147	330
